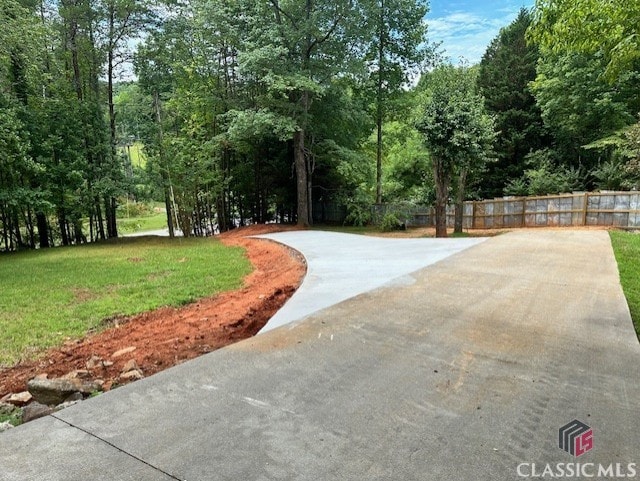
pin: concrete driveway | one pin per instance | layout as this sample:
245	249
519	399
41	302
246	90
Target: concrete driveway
341	266
465	370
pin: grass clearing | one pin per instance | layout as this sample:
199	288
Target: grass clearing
626	247
53	294
143	223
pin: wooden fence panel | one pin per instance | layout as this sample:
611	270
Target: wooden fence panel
619	209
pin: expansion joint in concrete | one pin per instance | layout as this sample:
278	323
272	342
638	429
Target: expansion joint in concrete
170	476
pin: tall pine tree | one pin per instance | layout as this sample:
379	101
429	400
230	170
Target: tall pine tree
507	68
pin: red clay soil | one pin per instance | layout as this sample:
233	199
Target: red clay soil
168	336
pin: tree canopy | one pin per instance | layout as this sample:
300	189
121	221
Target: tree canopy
293	111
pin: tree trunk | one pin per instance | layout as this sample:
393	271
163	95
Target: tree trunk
379	107
62	223
300	162
99	219
110	208
459	207
166	181
111	203
442	180
30	228
43	230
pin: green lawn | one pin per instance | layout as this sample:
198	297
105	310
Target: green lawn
142	223
627	250
136	152
48	295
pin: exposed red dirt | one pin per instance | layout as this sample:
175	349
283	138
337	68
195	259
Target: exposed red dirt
168	336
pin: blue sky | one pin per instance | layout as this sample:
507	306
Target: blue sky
466	27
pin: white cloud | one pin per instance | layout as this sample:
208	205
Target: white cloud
467	35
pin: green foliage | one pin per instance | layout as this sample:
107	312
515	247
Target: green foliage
135	209
390	222
456	130
626	247
588	79
590	26
452	117
545	177
358	213
406	164
612	175
506	70
579	107
14	416
102	281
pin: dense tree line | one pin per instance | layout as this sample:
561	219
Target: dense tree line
60	171
563	82
259	111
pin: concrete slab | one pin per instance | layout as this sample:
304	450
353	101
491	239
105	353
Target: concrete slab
341	266
466	372
52	450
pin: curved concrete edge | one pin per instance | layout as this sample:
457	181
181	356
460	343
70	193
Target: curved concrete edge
341	266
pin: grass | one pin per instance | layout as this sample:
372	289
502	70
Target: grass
136	153
14	417
138	157
626	247
348	229
142	223
140	216
53	294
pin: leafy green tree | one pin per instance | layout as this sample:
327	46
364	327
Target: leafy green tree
406	164
595	44
578	107
456	130
397	51
590	26
292	51
506	70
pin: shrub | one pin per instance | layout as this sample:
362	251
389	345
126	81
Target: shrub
390	223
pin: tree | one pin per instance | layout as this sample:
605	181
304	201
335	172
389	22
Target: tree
456	130
292	52
590	26
506	70
578	107
125	20
398	48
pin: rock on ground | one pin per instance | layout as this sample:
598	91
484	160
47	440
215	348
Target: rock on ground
35	410
52	392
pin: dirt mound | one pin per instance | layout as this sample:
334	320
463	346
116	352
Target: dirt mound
168	336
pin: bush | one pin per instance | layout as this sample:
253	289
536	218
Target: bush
545	177
612	175
359	214
390	223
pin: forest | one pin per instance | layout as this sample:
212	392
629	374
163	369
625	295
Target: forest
247	112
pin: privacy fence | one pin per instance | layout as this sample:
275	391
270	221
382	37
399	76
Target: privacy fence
619	209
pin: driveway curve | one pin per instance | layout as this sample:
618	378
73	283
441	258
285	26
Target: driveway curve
341	266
